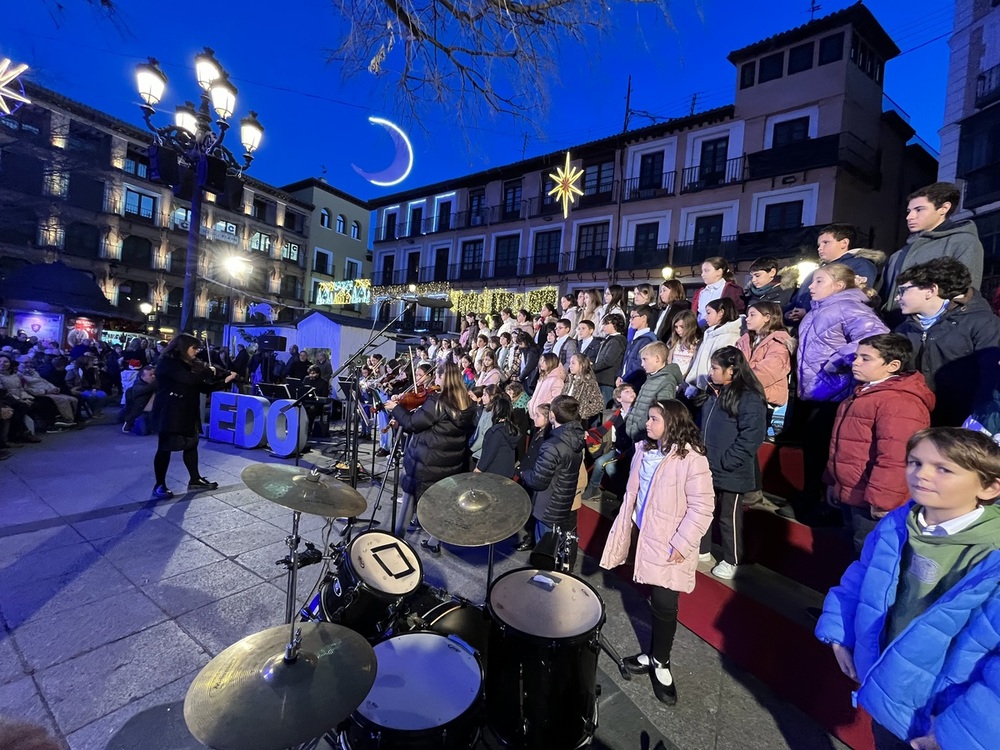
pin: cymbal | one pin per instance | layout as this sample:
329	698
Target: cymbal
249	698
470	510
303	491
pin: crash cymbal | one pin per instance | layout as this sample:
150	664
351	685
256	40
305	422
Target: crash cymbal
303	491
249	698
470	510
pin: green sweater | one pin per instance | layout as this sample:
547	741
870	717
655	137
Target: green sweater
932	565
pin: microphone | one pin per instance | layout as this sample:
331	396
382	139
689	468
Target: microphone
434	303
311	556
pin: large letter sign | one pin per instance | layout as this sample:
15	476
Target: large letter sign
251	421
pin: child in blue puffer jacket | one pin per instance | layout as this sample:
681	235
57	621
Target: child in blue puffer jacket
916	621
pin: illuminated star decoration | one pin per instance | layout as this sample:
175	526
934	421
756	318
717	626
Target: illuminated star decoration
566	179
7	76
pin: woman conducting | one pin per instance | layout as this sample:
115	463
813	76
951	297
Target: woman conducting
180	380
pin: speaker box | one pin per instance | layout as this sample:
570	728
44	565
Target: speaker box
163	165
272	343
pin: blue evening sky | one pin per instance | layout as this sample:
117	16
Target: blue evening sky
315	119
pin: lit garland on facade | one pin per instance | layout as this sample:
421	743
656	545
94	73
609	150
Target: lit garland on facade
356	292
431	288
492	301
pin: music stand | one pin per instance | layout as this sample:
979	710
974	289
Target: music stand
273	392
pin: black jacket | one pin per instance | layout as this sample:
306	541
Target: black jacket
136	399
775	292
499	449
664	325
954	353
241	363
176	409
732	442
297	369
609	359
528	376
554	475
439	443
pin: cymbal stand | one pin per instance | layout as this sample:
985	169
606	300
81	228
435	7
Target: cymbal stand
395	455
292	540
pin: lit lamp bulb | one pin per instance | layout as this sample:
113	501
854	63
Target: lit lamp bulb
145	308
207	68
251	132
805	267
223	97
236	266
412	288
667	273
150	81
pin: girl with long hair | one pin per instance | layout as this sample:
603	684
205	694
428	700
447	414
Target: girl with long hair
720	283
439	440
588	300
180	379
768	348
685	338
468	371
500	442
666	512
486	397
671	301
723	330
551	376
489	373
569	310
614	302
582	385
644	294
734	422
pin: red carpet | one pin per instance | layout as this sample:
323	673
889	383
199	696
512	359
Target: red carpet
802	670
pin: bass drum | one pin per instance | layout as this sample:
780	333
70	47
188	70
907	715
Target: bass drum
375	573
428	695
542	666
438	611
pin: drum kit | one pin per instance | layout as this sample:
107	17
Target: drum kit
379	660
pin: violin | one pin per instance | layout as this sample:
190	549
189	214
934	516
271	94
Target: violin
413	400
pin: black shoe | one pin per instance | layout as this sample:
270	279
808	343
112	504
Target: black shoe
160	492
381	453
633	665
526	545
202	484
666	694
786	511
433	548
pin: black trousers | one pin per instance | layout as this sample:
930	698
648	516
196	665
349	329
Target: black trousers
663	602
886	740
817	424
729	515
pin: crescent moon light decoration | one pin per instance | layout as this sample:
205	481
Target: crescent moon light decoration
401	165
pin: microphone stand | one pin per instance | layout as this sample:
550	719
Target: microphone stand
298	404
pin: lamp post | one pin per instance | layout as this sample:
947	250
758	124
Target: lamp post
147	310
195	141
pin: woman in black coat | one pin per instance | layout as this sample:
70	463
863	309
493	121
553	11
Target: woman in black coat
180	379
439	440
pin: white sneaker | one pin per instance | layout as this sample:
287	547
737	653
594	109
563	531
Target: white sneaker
725	571
705	557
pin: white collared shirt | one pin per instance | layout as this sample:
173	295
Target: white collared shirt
709	293
951	526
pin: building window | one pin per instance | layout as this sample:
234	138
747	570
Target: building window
290	251
708	232
507	250
324	219
226	227
598	178
389	227
772	67
865	58
181	218
322	262
790	131
341	223
714	155
133	166
261	242
783	216
592	246
472	259
477	207
512	199
139	204
352	269
800	58
548	246
57	183
355	230
831	48
646	237
651	171
747	73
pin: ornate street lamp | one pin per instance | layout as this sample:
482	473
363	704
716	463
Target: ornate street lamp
195	140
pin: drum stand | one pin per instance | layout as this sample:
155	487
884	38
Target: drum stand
292	540
395	456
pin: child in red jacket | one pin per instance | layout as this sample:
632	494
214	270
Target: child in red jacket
866	473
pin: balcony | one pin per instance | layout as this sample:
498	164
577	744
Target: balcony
509	212
840	149
708	176
604	194
596	260
637	188
543	205
694	252
632	258
988	87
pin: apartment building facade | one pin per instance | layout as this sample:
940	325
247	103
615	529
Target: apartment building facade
970	137
76	185
338	248
806	142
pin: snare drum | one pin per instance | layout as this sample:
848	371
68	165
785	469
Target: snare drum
428	695
437	610
375	573
542	663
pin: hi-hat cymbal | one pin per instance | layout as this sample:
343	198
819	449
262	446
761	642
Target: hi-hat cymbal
303	491
473	509
249	698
